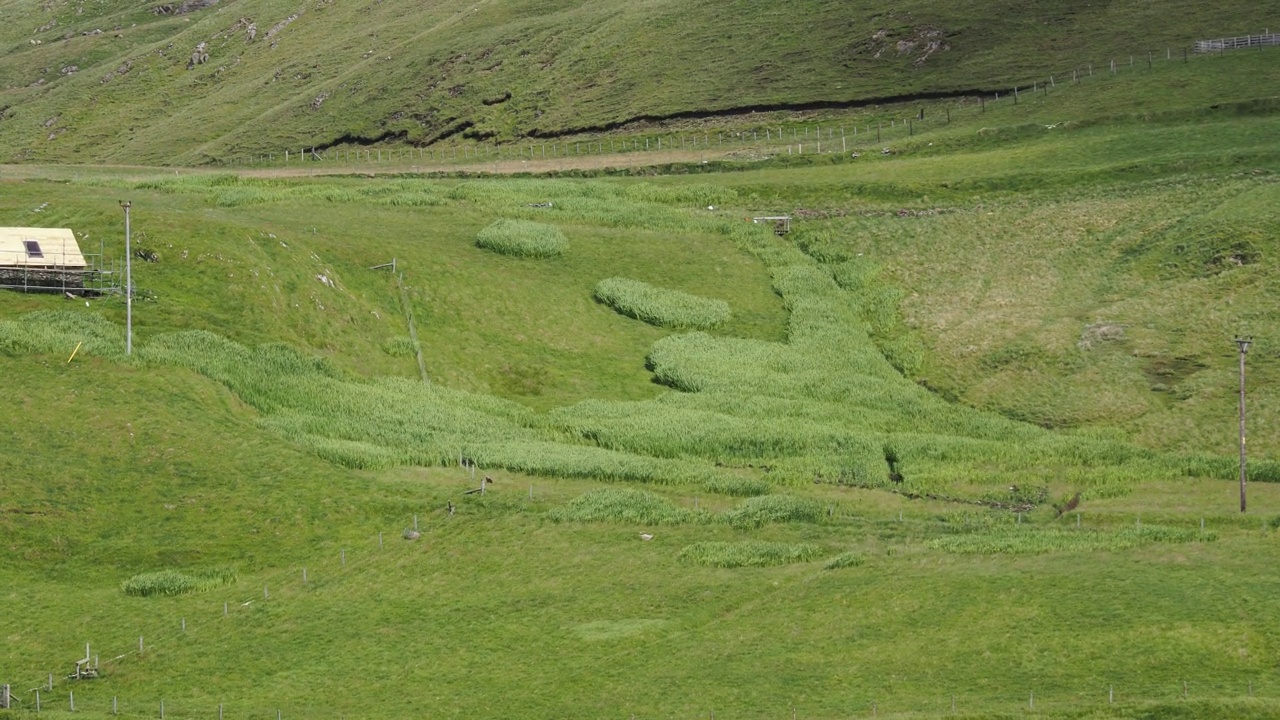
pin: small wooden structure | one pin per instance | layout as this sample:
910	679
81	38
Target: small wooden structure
781	223
42	259
86	668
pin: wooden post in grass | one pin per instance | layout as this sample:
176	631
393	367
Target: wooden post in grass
1031	703
113	705
342	556
5	702
139	644
304	576
224	609
37	700
1243	344
379	541
1111	695
161	710
219	711
71	699
184	624
265	595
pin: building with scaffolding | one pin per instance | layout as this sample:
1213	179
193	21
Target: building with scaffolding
44	259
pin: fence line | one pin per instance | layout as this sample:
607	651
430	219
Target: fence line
1236	43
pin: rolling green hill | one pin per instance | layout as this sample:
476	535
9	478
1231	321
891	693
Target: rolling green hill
110	82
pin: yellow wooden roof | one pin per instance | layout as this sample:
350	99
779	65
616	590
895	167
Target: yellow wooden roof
58	245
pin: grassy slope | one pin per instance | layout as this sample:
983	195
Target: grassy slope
577	618
396	67
220	268
555	617
1133	225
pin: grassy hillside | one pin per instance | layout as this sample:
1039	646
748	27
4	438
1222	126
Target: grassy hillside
962	444
110	82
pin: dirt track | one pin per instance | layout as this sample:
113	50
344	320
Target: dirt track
372	169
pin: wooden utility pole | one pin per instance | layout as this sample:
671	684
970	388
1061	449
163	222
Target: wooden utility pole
128	283
1243	343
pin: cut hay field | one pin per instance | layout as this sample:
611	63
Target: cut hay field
961	445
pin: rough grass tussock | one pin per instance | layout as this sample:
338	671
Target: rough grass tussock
522	238
661	306
177	582
759	511
1027	540
844	560
749	553
625	505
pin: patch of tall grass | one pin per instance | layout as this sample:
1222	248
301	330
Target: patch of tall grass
177	582
737	486
625	505
522	238
759	511
748	553
1029	540
844	560
661	306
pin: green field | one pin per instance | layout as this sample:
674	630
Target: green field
962	443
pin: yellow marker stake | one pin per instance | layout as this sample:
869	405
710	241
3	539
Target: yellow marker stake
73	352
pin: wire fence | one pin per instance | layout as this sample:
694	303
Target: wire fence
789	138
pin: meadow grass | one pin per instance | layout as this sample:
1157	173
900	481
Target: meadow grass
747	553
661	306
522	238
